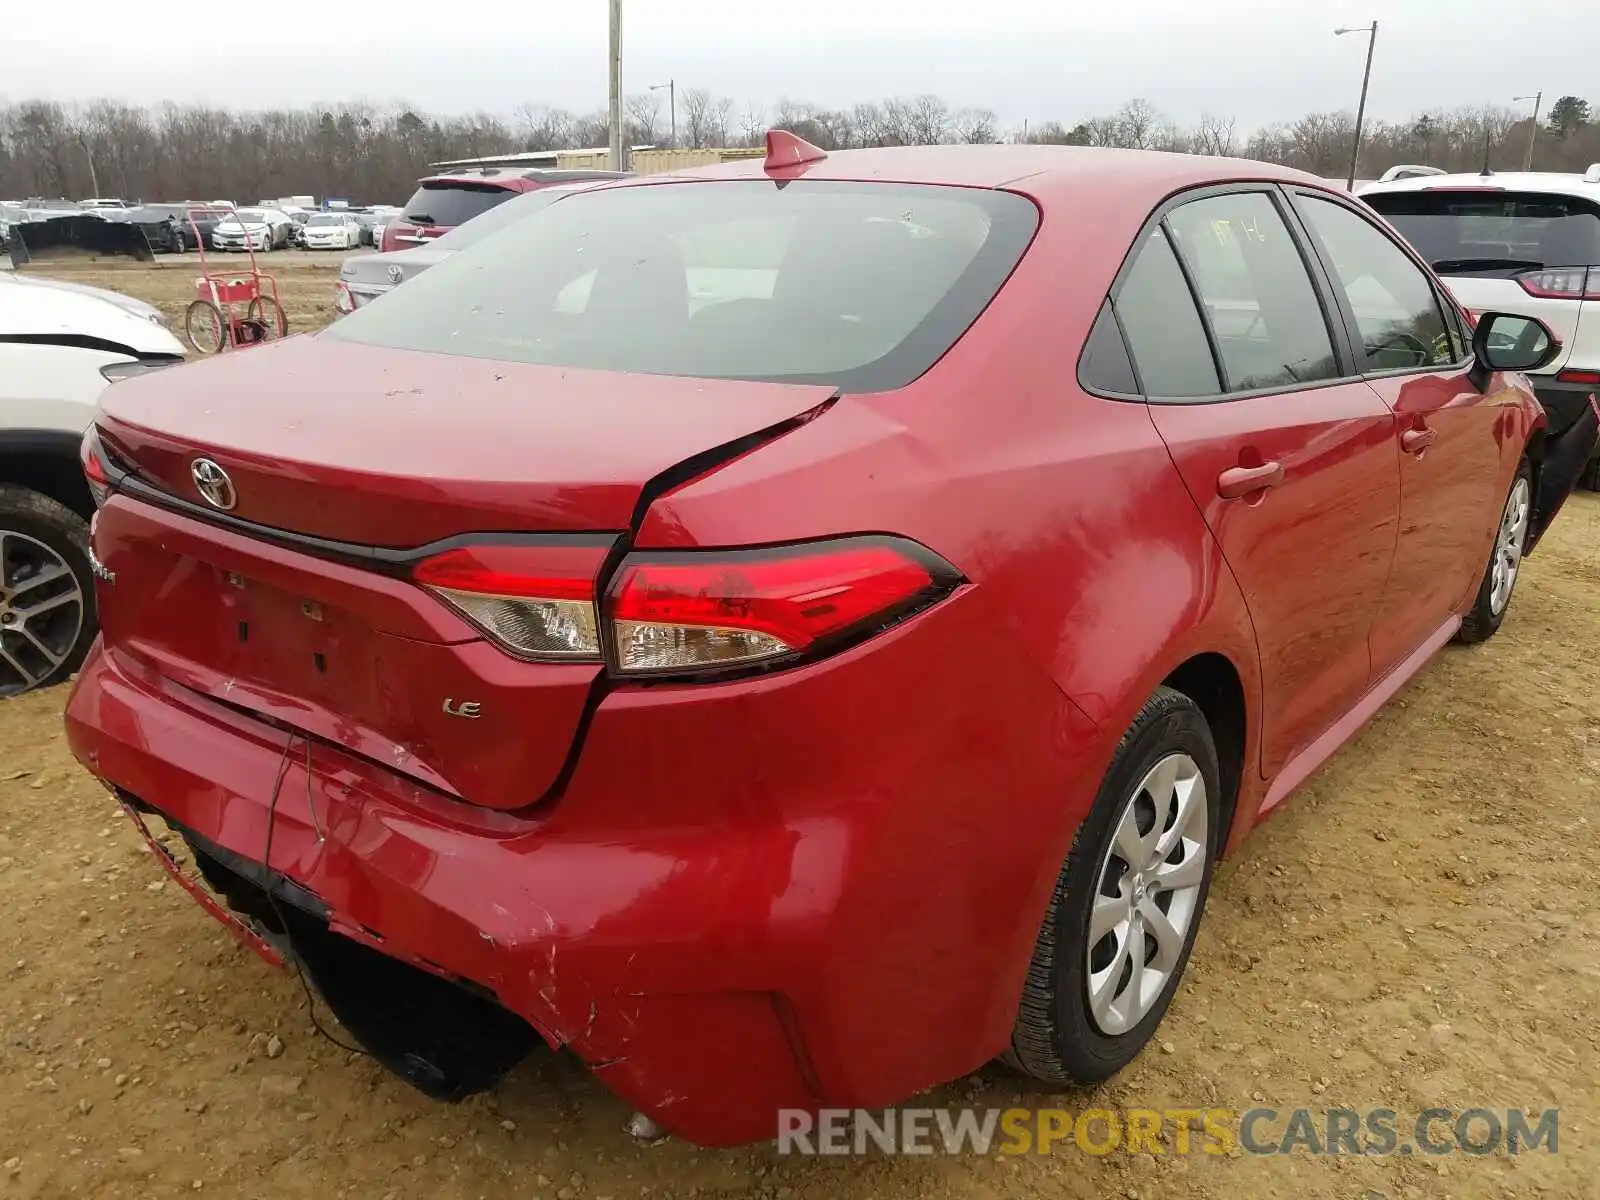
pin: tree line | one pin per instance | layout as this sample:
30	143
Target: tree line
375	154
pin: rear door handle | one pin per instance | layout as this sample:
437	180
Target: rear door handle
1241	481
1415	441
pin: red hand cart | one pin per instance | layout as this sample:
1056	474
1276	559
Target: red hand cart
231	308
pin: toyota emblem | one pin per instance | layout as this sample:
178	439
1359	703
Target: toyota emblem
213	482
396	274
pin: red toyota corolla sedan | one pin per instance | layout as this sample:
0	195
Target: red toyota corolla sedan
795	631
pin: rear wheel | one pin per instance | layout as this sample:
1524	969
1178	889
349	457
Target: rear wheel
206	327
47	616
1505	562
1127	904
270	313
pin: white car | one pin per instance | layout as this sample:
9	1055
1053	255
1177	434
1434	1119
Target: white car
258	229
1519	242
331	231
61	345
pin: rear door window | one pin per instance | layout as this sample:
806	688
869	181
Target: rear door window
1397	311
452	203
1268	323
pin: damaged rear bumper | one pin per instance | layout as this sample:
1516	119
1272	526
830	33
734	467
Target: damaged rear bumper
477	906
814	890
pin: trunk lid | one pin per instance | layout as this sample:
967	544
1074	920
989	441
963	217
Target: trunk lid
399	448
378	448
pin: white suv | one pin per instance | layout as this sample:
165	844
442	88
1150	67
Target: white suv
61	344
1523	242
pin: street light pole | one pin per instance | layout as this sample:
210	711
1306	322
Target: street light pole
1361	108
617	163
1533	131
672	105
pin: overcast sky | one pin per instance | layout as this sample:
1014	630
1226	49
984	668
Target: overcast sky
1259	60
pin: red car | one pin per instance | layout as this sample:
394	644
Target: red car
441	202
794	631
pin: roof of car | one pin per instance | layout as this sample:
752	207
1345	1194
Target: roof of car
1559	182
1044	167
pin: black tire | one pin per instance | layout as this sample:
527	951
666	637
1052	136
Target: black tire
270	313
1482	620
1055	1038
1590	479
206	327
58	528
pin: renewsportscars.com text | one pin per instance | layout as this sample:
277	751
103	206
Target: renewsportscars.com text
1178	1131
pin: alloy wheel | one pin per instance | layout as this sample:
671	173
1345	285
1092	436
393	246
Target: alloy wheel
1147	897
1508	545
41	612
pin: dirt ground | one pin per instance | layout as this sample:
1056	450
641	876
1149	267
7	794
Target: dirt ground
1418	928
305	278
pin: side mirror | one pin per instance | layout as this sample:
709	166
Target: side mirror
1509	342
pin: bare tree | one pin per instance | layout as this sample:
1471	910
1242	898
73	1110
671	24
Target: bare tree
927	120
1214	135
694	114
641	112
376	153
545	128
975	125
753	124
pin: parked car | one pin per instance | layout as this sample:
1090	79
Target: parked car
331	231
253	228
101	203
164	225
370	220
297	228
202	219
364	278
1522	242
790	645
441	202
59	345
10	214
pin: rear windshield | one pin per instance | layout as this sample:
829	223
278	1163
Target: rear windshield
1489	231
859	285
452	203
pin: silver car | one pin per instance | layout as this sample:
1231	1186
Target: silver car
365	277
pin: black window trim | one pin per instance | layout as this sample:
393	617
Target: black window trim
1316	270
1441	298
1184	269
1107	308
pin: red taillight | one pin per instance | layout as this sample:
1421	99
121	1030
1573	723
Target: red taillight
343	301
94	468
685	611
701	610
536	599
1590	378
1561	283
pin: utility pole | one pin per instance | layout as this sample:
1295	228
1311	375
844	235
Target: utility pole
94	178
618	162
672	105
1533	131
1361	107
